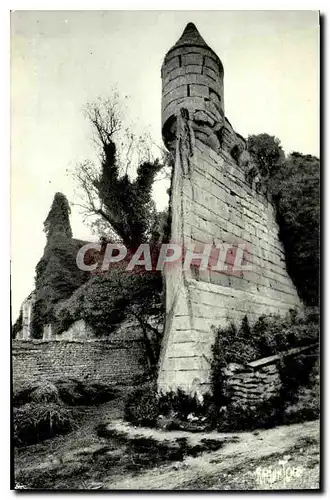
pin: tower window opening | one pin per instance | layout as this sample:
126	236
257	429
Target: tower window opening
203	64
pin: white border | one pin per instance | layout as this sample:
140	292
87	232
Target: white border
5	7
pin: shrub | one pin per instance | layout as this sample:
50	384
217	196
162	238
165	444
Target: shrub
179	403
38	421
40	410
300	387
268	336
145	405
106	298
305	407
45	392
298	213
141	407
294	183
275	411
295	372
97	302
40	392
238	417
21	393
71	392
75	392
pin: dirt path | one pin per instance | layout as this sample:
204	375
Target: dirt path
51	452
282	458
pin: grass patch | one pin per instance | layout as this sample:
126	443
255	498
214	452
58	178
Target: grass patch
81	393
116	456
71	392
36	422
45	409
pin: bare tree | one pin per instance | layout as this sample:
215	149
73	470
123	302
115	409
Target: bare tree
115	196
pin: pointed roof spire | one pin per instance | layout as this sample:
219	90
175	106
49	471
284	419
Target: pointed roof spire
191	36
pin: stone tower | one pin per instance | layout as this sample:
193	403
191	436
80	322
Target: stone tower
216	199
192	77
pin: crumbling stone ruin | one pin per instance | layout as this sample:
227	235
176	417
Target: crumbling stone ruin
216	198
26	311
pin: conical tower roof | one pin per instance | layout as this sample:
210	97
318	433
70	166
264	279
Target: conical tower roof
192	38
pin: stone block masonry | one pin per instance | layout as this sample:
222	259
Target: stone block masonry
117	362
248	387
214	204
192	73
212	201
257	382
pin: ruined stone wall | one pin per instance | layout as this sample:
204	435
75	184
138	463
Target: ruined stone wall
79	330
248	386
212	202
26	308
257	382
192	74
112	362
216	198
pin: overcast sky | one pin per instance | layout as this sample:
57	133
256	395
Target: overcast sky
61	60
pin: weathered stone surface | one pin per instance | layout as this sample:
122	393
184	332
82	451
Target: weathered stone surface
212	201
117	362
184	65
193	68
79	330
173	63
26	311
176	93
195	58
211	64
191	50
212	73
